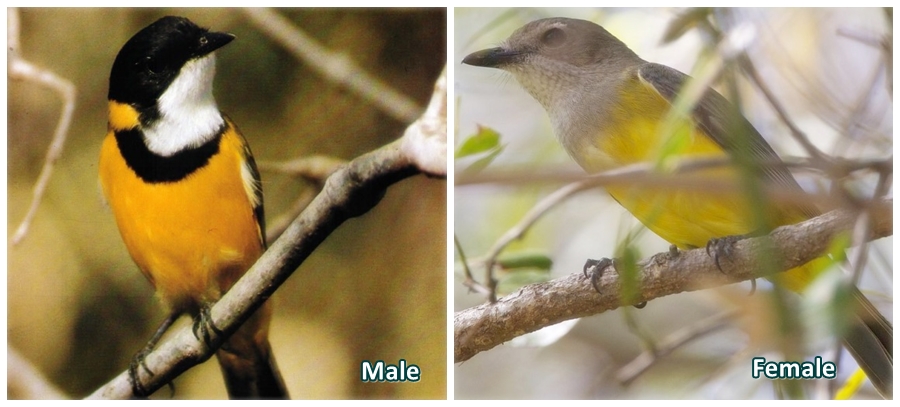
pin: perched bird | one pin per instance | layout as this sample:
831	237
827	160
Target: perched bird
609	108
186	194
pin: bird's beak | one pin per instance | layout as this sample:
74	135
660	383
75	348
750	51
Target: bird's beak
214	41
492	57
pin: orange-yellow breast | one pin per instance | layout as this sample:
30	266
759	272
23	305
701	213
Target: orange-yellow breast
191	238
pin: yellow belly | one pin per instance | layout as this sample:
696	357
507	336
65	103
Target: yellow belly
191	238
687	218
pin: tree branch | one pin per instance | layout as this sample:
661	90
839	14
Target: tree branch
351	191
536	306
333	66
20	68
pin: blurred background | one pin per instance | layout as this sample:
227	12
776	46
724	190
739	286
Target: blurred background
78	308
819	63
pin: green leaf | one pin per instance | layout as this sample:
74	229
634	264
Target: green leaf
482	141
525	259
629	274
522	268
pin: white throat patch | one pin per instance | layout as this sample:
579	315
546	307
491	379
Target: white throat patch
188	115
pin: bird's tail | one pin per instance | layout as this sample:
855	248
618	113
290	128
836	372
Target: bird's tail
870	339
247	363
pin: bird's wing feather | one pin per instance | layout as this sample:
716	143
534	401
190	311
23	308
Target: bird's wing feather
721	121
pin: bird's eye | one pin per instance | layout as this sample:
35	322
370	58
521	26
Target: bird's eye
553	37
203	41
153	65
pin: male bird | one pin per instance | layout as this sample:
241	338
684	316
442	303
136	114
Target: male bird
185	191
608	108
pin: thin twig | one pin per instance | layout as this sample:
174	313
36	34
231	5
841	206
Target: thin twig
519	229
863	37
862	228
469	281
884	180
852	127
336	67
277	226
883	43
683	177
19	68
648	342
315	168
675	340
801	138
646	172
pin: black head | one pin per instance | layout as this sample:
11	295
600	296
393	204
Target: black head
149	62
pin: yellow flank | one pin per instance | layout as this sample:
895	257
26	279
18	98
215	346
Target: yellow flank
122	116
191	238
686	218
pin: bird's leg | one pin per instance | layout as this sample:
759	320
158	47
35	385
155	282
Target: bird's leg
203	325
138	360
721	247
595	269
